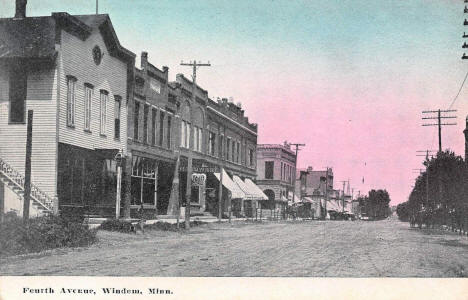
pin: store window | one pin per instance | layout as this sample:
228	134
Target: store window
143	181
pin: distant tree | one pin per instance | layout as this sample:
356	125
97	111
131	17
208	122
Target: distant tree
438	196
403	212
379	204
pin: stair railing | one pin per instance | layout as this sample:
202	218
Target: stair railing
36	193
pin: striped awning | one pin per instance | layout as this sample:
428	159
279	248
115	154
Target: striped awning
255	189
236	192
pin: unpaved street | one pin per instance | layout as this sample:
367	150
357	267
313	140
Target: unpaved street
310	248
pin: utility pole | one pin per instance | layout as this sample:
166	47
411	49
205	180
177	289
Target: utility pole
295	169
188	193
344	184
97	5
326	194
439	123
27	169
427	173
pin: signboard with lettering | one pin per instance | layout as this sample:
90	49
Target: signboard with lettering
198	179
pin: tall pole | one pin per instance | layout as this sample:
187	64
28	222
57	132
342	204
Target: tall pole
295	169
188	193
27	168
344	184
97	5
439	119
326	194
221	171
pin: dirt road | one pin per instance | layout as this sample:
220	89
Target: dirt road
311	248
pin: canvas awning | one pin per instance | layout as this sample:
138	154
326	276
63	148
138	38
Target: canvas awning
236	192
249	194
254	188
332	205
308	200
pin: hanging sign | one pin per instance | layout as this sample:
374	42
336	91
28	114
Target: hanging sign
198	179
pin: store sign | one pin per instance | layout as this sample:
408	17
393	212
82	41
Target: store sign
198	179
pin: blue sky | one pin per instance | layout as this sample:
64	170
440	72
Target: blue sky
349	78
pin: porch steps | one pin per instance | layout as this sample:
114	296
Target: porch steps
15	182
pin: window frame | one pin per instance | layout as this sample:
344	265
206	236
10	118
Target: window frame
88	106
117	131
103	99
13	76
71	100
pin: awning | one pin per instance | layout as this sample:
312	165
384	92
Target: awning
292	196
308	200
249	194
254	188
236	192
332	205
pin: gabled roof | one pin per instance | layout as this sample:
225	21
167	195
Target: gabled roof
35	37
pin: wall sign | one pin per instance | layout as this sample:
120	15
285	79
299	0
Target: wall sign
198	179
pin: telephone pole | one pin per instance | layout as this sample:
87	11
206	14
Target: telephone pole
344	184
427	173
295	169
439	117
188	192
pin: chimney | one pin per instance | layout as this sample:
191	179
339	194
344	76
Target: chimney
144	59
20	9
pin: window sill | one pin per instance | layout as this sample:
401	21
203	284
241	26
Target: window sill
16	123
87	131
116	139
71	126
103	135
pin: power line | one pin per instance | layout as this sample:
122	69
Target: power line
459	90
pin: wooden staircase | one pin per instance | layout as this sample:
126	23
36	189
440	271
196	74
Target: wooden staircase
15	181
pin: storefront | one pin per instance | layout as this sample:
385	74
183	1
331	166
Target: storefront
87	180
151	181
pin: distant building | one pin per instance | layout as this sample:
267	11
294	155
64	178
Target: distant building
275	173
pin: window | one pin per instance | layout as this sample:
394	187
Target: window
153	126
18	91
211	143
145	123
228	149
117	110
88	101
183	133
269	165
238	152
233	151
200	139
220	146
168	137
103	119
71	81
136	118
187	136
251	158
197	138
281	170
161	128
143	180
